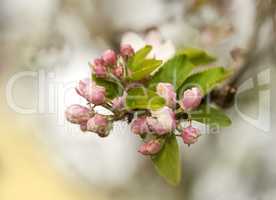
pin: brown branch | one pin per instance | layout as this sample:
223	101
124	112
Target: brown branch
225	95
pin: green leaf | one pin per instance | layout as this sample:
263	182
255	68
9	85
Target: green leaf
197	56
141	98
145	69
211	115
113	88
206	80
167	161
139	57
174	71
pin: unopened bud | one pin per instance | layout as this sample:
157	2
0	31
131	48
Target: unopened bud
191	98
126	50
77	114
99	68
98	124
139	126
118	71
190	135
150	148
91	92
118	103
96	95
109	57
83	86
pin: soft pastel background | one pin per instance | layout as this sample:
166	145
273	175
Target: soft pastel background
51	41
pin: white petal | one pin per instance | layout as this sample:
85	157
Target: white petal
134	40
153	38
165	51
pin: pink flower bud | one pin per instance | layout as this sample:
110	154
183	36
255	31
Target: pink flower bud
139	126
83	87
166	90
91	92
190	135
96	95
99	69
162	121
118	103
109	57
191	98
150	148
126	50
98	124
118	71
77	114
98	61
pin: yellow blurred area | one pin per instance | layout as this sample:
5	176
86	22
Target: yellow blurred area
26	173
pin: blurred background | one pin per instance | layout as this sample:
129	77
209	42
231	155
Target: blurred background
45	46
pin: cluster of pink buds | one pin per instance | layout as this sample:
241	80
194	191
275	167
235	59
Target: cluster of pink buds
109	62
163	121
85	116
160	122
152	125
157	95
